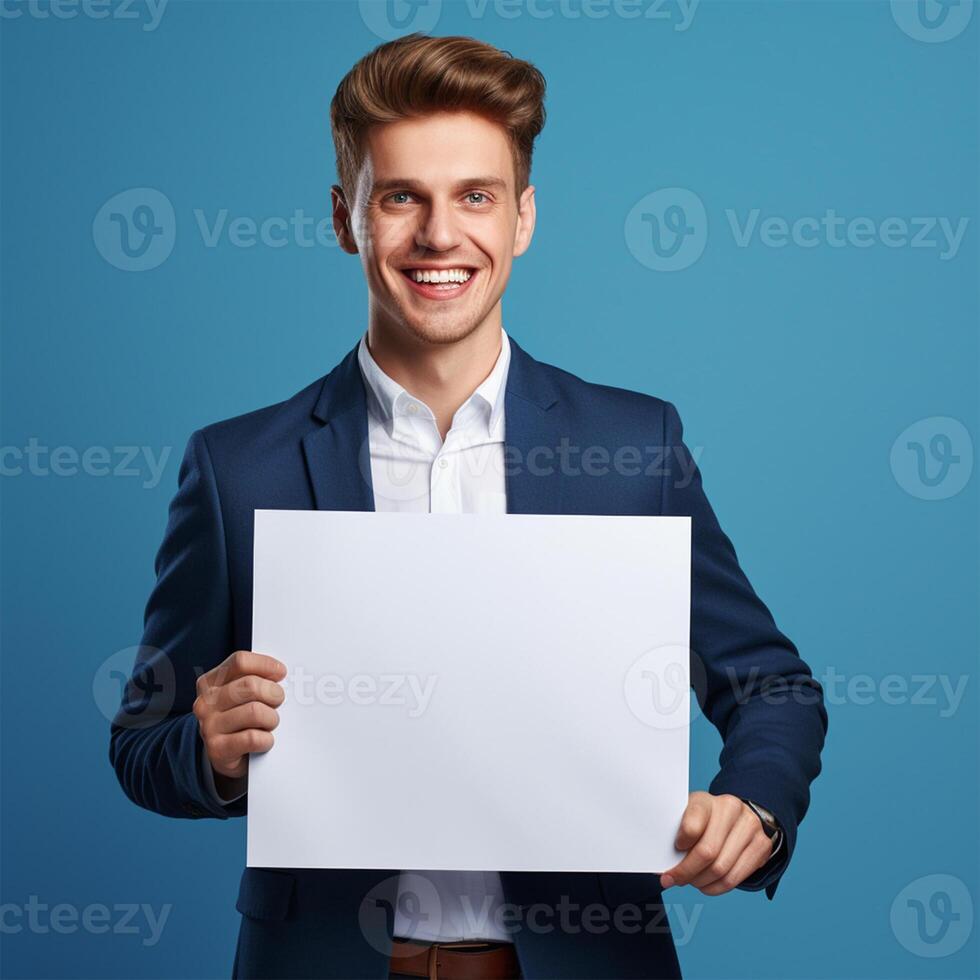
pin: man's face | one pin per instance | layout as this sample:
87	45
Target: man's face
436	200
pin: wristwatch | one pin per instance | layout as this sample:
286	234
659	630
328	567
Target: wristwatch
769	824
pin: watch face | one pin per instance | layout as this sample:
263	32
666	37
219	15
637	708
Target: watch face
768	820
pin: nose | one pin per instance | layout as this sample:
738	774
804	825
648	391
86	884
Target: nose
437	229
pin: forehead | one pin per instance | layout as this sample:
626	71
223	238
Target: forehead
436	148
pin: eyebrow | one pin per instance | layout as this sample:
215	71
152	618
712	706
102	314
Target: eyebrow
398	184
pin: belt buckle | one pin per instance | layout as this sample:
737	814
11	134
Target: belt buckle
432	956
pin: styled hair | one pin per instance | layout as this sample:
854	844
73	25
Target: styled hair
416	75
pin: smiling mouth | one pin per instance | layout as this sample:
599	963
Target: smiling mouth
440	283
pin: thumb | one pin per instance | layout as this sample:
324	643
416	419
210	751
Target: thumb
693	824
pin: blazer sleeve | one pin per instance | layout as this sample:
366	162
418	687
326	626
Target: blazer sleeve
155	745
748	677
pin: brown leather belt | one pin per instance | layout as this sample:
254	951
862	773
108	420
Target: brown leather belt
455	961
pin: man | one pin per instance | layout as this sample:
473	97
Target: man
428	412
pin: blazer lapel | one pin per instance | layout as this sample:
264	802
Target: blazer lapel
338	453
532	427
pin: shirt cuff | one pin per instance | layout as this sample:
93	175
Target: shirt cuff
207	777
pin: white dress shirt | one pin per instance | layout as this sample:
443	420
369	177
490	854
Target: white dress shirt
412	469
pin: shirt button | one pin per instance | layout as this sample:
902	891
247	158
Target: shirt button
413	408
443	463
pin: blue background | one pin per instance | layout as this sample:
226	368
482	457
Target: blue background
797	366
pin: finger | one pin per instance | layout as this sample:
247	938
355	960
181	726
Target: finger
245	689
255	714
706	849
240	664
226	752
743	832
752	858
232	771
694	822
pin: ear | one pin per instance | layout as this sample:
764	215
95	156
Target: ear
342	224
526	216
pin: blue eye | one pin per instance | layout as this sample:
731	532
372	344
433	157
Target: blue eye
479	194
400	194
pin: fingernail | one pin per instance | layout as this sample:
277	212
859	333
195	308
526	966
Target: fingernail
666	881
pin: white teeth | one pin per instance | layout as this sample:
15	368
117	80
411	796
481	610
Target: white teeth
440	275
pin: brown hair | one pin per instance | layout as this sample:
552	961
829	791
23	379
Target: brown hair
416	74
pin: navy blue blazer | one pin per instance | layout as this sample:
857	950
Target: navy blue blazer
311	452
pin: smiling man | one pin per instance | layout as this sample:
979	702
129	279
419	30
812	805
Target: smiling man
437	409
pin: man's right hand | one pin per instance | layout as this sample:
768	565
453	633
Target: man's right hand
236	713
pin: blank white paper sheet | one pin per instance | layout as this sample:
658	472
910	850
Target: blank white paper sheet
499	692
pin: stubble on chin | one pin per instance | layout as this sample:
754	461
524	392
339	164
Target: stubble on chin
441	329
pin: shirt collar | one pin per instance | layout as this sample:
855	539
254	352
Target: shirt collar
391	403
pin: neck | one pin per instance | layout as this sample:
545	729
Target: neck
442	376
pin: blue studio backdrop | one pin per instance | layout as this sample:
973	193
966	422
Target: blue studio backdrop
765	212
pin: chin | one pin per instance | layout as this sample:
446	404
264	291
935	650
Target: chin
441	330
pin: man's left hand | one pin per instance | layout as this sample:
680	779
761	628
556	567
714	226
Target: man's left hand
725	843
